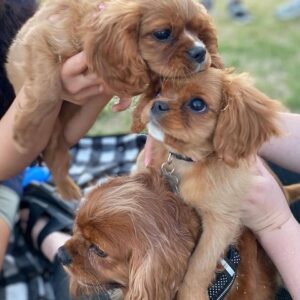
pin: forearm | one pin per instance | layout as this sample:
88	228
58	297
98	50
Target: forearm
285	150
283	247
11	160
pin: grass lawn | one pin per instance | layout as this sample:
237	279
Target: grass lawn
266	48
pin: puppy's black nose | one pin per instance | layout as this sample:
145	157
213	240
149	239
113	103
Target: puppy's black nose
63	256
159	107
197	54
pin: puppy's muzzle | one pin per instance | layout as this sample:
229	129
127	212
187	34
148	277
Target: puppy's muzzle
159	108
63	256
197	54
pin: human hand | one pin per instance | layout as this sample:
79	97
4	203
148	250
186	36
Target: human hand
265	208
81	87
89	92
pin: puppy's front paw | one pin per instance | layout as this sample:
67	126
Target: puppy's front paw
68	189
188	291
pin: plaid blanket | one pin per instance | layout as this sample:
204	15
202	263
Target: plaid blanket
26	273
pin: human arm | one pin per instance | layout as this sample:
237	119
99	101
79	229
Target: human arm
80	88
285	150
266	212
91	99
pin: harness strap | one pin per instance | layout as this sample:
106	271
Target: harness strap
225	279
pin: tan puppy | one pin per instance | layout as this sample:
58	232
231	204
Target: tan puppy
214	123
133	233
129	43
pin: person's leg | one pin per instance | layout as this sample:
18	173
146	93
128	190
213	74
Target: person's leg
47	223
208	4
288	11
48	247
238	12
51	242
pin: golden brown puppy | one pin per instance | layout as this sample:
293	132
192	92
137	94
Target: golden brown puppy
214	124
133	233
129	43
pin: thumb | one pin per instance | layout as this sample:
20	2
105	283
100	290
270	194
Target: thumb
122	105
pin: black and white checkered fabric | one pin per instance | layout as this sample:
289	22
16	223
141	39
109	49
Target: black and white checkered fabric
26	274
94	158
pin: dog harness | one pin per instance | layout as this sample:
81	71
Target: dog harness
229	264
225	279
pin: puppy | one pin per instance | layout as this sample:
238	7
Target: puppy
213	123
13	15
133	233
129	43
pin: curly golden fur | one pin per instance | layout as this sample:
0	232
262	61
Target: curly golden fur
219	120
133	233
129	43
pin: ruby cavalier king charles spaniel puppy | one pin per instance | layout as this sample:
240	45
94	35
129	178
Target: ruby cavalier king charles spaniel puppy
128	43
213	125
135	234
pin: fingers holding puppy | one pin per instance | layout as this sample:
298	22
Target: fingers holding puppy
265	208
80	86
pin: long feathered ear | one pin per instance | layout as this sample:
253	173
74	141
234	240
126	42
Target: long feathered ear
149	277
249	118
139	115
112	50
208	33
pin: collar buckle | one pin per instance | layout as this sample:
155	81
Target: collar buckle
167	170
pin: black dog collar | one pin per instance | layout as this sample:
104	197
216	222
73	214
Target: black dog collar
181	157
225	279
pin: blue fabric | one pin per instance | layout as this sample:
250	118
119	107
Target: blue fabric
36	174
15	183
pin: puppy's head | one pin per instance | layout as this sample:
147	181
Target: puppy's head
133	233
134	39
215	113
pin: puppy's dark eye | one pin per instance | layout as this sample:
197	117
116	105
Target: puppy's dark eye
197	105
162	35
97	251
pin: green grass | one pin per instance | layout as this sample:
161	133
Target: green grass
266	48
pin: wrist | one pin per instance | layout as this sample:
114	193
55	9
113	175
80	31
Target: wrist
279	228
282	244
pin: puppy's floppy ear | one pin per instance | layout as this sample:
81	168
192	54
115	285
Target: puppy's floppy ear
249	118
149	278
208	34
139	116
112	47
74	287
